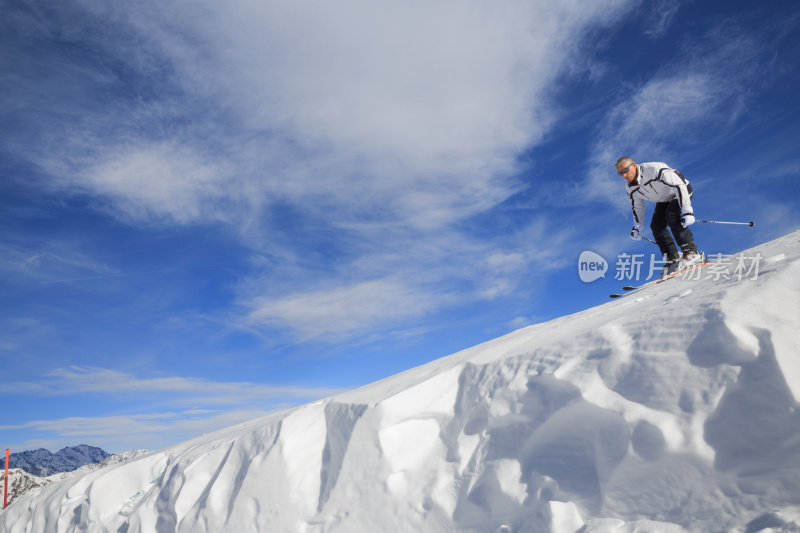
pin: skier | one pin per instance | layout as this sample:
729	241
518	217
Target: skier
672	193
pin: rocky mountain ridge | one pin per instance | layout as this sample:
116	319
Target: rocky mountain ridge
43	463
20	481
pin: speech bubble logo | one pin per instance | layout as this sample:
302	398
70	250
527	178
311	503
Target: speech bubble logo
591	266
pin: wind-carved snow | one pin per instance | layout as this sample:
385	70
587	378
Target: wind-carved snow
674	409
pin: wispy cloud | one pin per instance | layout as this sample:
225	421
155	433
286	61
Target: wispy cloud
392	289
660	16
172	391
312	130
162	180
23	262
119	433
320	100
170	409
674	110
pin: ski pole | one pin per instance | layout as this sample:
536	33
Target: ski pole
723	222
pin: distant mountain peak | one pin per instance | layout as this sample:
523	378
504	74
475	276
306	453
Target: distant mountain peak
43	462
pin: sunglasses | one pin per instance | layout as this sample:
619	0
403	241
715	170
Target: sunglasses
625	170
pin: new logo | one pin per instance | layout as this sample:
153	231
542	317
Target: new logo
591	266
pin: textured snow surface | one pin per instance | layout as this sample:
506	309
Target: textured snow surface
672	410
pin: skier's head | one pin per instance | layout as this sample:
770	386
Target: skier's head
626	167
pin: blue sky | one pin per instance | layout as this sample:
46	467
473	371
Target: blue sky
214	210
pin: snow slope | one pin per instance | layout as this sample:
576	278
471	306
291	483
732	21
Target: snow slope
671	410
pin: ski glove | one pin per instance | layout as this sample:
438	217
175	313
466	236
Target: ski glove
636	233
687	218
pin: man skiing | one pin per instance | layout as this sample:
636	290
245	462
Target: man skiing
672	193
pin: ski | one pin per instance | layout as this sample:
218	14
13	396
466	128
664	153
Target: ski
636	288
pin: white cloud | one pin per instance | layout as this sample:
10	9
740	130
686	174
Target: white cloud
419	275
374	125
123	432
173	391
180	407
23	260
342	311
660	16
163	179
421	107
679	113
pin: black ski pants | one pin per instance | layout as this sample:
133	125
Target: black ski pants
666	218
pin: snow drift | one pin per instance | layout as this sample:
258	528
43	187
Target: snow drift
674	409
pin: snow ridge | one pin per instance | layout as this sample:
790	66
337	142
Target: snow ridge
672	411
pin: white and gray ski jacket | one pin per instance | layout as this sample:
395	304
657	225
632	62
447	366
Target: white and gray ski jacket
657	182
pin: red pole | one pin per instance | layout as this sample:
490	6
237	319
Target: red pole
5	484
